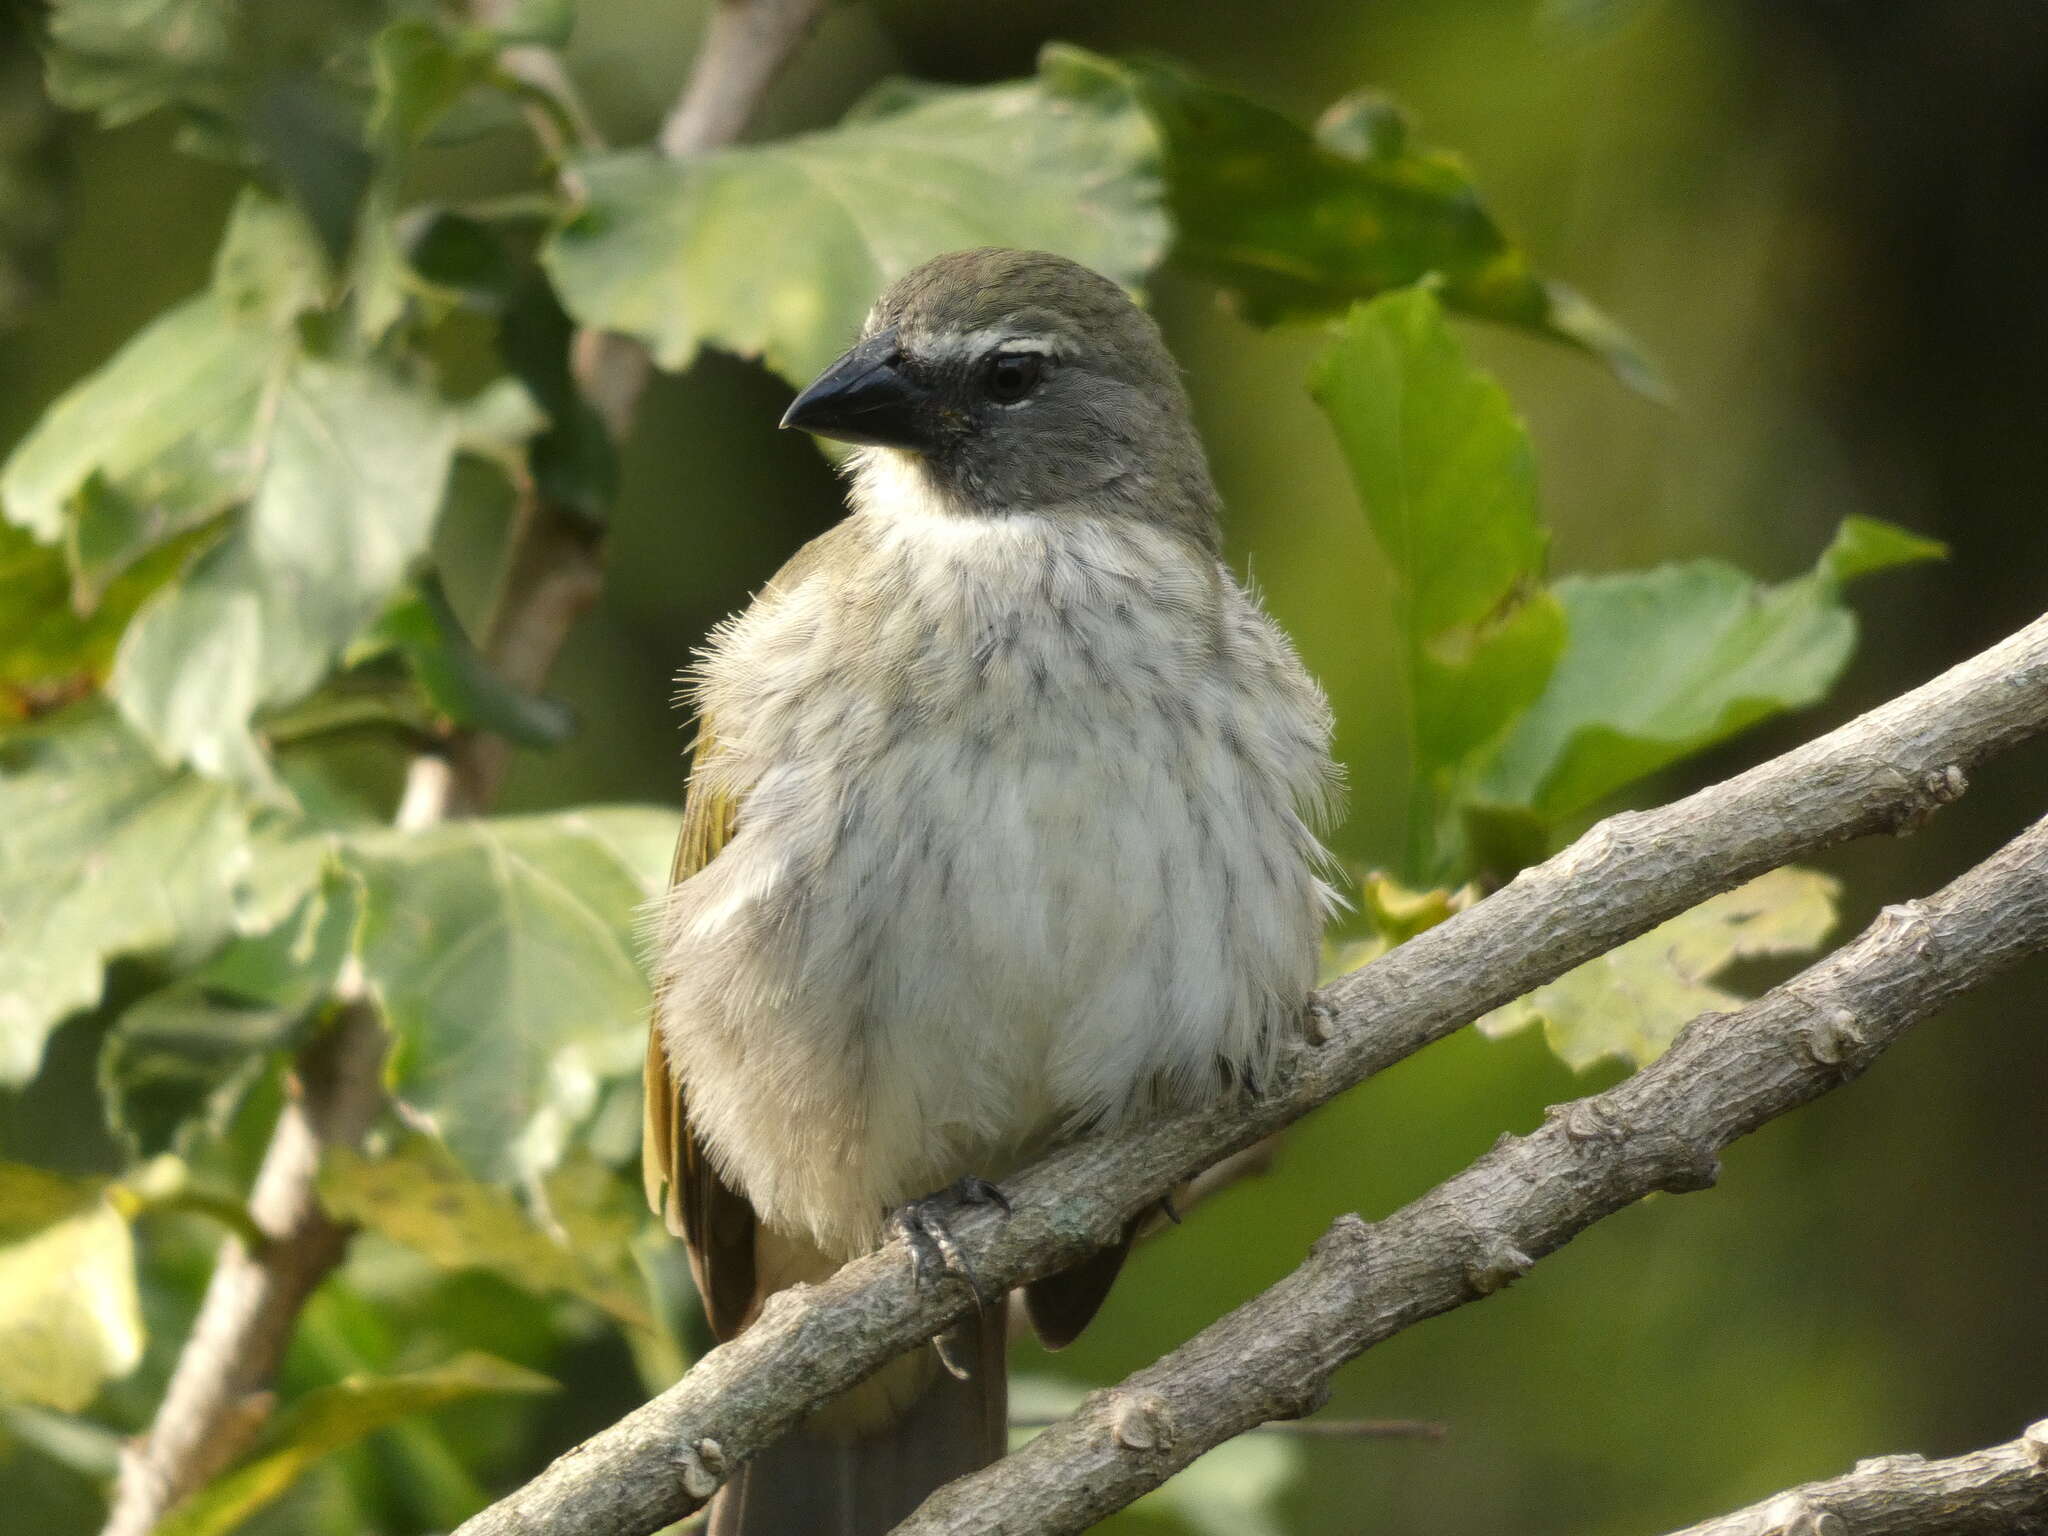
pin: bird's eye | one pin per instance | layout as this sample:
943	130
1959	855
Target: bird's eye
1010	376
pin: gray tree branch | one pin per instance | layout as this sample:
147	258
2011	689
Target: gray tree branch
1662	1129
218	1396
1999	1491
1886	771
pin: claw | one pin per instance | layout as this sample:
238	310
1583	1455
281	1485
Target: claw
933	1249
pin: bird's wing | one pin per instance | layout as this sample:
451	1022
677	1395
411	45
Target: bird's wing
710	1216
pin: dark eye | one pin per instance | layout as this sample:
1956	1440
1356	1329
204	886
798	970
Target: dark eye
1010	376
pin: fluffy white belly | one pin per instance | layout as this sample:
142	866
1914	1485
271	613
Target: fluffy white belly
1045	885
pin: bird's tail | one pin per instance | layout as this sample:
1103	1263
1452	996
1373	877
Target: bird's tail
861	1465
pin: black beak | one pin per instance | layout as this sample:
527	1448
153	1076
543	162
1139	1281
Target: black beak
866	397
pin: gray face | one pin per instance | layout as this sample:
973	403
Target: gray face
1022	382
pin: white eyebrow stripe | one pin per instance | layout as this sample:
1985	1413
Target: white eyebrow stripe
974	344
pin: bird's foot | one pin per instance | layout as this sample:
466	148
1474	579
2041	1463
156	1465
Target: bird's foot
933	1249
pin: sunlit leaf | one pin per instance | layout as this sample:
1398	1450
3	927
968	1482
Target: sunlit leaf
1394	913
341	463
167	434
102	853
69	1316
418	1195
1664	663
674	254
353	467
502	952
183	1056
1631	1002
1445	471
1299	225
328	1418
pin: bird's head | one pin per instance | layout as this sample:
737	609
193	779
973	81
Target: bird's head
1016	381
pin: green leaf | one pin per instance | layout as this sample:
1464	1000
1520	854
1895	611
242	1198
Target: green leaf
419	1196
328	1418
1631	1002
503	954
33	1198
165	436
102	853
185	1055
458	680
673	253
1299	225
354	462
125	58
49	653
422	71
1449	485
220	65
1864	545
341	463
1664	663
69	1315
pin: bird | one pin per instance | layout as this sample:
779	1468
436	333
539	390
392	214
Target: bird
1003	823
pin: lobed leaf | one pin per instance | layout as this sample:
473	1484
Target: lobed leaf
353	462
502	954
675	254
1632	1001
1299	225
103	852
1662	664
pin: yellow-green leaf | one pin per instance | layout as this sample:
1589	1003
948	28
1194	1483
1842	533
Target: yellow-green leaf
419	1196
1631	1002
69	1316
328	1418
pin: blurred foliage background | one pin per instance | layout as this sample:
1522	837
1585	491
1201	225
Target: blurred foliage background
1824	221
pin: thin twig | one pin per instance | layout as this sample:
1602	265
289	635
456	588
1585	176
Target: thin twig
1887	770
1999	1491
752	40
1314	1429
1662	1129
218	1398
556	569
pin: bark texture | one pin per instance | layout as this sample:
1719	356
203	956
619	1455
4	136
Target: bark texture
1886	771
